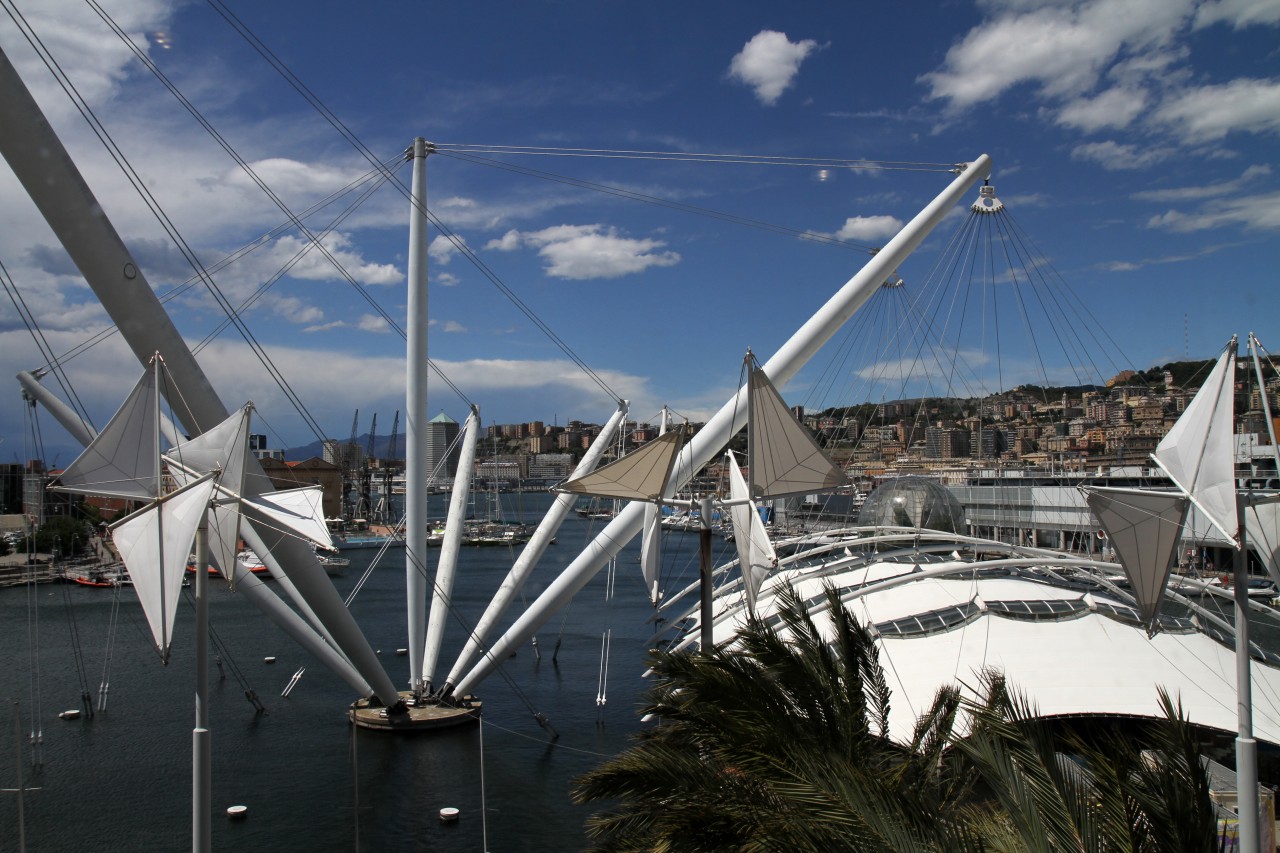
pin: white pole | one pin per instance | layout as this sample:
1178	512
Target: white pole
1246	745
446	567
201	808
785	363
415	434
532	552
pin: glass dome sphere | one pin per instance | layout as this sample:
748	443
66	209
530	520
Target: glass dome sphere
913	502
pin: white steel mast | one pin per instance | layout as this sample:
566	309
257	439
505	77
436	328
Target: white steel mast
416	466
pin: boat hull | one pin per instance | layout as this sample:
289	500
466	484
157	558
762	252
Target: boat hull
416	718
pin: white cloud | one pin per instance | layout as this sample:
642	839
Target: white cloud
1062	48
1208	190
1238	13
313	265
769	63
865	228
1209	113
445	279
1114	108
442	249
1257	213
372	323
508	242
295	310
1116	156
452	326
588	251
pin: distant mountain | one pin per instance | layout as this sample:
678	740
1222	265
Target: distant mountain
381	448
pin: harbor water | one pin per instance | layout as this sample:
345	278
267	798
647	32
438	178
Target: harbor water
121	781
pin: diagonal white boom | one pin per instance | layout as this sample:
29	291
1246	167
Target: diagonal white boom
785	363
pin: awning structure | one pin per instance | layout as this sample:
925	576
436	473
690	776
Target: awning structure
1072	653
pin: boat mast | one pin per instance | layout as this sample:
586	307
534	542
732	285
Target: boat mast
785	364
415	404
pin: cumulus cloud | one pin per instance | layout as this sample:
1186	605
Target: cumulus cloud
1209	113
864	228
1115	156
1220	188
769	63
588	251
1238	13
1060	48
1256	213
313	265
1114	108
1111	64
442	250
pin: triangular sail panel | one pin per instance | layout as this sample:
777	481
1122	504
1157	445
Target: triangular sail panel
154	544
782	457
651	550
224	449
756	557
1198	454
1144	527
641	475
123	460
1262	529
300	510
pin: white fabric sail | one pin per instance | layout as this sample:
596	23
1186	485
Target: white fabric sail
1262	527
651	550
782	457
222	449
301	510
641	475
756	557
154	544
1198	454
123	460
225	448
1144	527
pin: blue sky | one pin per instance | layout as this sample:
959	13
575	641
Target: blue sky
1133	140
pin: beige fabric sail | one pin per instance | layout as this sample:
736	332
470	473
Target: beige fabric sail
641	475
1198	453
782	457
756	557
123	460
1144	528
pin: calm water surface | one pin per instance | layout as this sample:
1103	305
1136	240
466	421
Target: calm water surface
122	781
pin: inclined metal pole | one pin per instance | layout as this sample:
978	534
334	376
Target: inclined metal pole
416	465
785	363
532	551
201	753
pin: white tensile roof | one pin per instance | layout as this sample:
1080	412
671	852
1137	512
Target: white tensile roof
1089	658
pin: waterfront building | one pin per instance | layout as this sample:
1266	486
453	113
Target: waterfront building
442	434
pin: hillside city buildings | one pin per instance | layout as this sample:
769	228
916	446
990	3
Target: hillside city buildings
1013	459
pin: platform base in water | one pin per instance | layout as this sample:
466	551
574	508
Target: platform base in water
416	717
